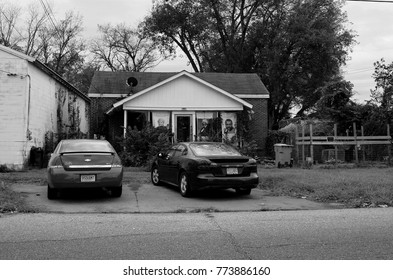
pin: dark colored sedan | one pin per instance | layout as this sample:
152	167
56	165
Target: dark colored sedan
202	165
84	163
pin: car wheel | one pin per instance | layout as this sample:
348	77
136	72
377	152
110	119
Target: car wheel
184	185
52	193
243	191
155	176
116	191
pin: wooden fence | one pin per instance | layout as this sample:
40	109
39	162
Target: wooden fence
357	141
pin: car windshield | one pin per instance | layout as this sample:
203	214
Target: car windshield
86	146
213	149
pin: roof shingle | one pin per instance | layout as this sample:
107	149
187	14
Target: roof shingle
105	82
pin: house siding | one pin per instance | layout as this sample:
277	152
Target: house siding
13	106
25	121
177	92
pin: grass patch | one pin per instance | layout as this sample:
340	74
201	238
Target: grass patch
11	201
354	187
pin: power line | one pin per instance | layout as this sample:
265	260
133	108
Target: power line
48	11
13	24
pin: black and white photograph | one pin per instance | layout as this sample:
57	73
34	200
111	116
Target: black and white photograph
196	139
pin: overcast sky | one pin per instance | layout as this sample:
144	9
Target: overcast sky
371	21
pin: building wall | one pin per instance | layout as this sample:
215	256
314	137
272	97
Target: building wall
259	124
25	121
55	109
98	121
12	109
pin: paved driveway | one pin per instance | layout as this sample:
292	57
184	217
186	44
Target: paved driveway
147	198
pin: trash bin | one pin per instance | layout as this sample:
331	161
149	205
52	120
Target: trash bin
283	155
37	156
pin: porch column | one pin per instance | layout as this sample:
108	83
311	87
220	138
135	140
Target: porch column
125	124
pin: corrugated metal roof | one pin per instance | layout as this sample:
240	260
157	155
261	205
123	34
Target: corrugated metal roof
115	82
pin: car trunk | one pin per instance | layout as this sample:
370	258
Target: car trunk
230	166
87	161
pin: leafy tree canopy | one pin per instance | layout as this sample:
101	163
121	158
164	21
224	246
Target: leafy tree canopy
297	47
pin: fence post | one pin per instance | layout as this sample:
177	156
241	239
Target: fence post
311	145
356	143
389	147
296	145
335	145
363	151
303	152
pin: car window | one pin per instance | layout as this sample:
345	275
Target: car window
75	146
56	151
179	150
213	149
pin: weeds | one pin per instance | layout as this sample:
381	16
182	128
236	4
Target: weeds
354	187
11	201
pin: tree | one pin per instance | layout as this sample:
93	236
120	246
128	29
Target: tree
296	46
63	47
381	102
300	51
9	34
36	23
183	24
383	92
123	48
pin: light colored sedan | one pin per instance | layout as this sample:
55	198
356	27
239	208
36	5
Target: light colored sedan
83	163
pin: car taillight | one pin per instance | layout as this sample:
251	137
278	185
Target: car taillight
117	162
252	163
206	165
56	163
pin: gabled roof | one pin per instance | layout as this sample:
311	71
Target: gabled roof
45	69
105	82
183	73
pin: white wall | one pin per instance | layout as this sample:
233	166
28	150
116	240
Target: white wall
50	103
184	92
12	109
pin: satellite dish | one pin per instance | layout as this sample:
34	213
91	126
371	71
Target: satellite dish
132	82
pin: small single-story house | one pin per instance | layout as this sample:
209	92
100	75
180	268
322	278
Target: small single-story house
36	104
184	102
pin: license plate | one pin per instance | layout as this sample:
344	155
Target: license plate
232	171
88	178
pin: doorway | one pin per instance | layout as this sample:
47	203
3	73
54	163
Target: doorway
184	127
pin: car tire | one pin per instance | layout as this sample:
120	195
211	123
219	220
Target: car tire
116	191
155	176
243	191
52	193
184	185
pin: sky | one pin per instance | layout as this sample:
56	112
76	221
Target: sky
370	20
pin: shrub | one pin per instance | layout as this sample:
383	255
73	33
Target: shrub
140	146
4	168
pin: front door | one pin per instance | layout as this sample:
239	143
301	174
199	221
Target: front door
183	128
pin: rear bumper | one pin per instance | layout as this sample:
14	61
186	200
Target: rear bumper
59	178
209	181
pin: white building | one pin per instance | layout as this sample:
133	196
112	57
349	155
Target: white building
35	102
